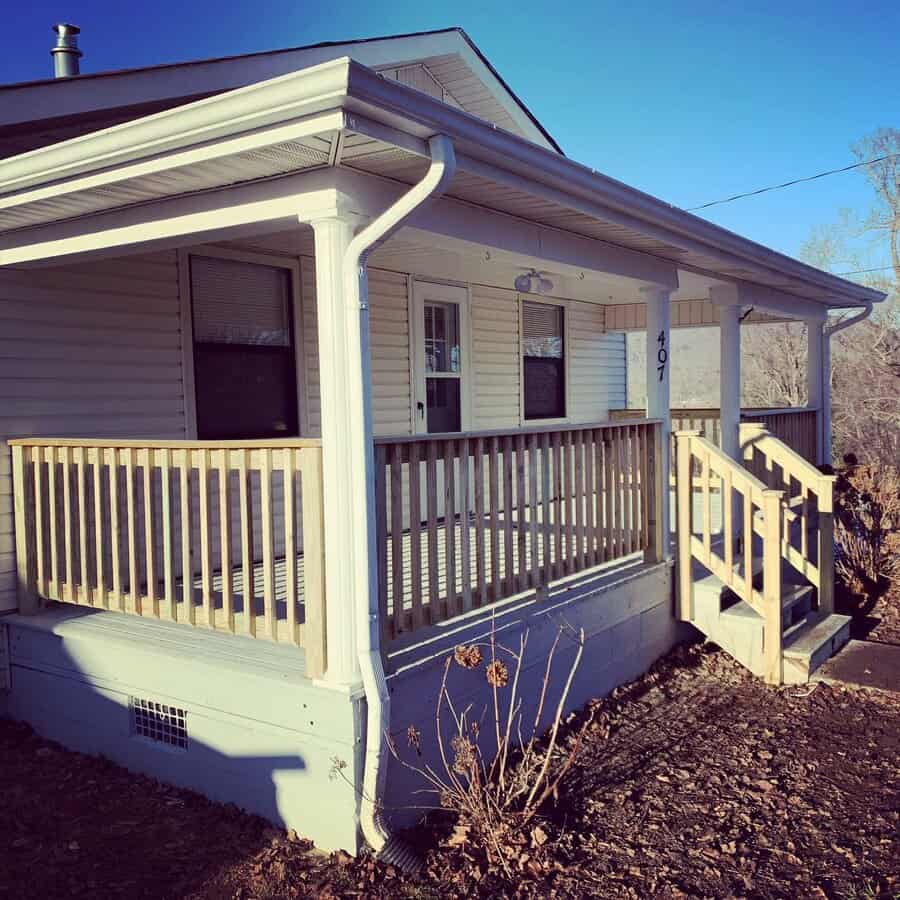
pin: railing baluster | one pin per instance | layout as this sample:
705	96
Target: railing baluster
558	506
431	510
520	515
509	568
187	570
291	597
314	588
115	533
533	508
415	537
617	491
634	463
707	504
547	502
82	593
165	474
149	553
397	591
245	512
206	595
450	527
268	543
568	463
70	595
481	597
39	548
464	533
131	518
589	556
609	522
95	458
578	450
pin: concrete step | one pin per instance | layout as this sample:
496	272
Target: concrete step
796	602
811	642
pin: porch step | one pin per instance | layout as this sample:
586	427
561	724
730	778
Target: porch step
815	643
809	636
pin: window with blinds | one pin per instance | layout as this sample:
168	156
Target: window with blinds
244	364
543	361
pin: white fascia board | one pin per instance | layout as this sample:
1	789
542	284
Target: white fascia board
612	200
195	126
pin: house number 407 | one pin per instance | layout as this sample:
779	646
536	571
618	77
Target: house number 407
662	354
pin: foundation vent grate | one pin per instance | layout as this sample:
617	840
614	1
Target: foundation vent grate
159	722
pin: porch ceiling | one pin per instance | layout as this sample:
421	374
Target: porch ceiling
342	114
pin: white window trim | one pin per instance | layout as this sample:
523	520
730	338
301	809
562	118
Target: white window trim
186	301
456	293
564	305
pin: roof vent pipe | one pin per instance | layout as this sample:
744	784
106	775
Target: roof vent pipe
66	53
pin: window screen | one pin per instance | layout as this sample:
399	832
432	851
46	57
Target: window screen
543	361
244	368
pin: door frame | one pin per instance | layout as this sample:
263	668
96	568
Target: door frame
442	292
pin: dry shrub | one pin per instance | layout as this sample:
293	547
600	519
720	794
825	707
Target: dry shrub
867	526
497	771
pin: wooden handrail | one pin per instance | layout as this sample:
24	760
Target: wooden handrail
808	501
730	558
177	530
506	432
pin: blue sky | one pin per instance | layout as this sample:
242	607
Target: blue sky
688	101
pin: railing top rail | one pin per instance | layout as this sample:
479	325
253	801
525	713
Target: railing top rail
771	446
509	432
778	410
756	487
699	412
114	444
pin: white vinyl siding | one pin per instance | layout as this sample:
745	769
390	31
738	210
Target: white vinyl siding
90	350
495	360
389	331
596	365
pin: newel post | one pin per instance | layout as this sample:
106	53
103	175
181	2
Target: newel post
684	498
23	509
826	543
773	624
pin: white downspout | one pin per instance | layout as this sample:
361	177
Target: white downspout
361	475
826	377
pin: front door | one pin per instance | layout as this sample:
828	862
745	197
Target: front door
440	354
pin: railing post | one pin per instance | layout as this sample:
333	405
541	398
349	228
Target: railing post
23	504
656	550
826	543
773	619
684	498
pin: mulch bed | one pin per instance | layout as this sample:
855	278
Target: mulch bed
698	781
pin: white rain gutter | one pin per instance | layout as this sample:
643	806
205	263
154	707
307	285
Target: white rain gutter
825	375
439	175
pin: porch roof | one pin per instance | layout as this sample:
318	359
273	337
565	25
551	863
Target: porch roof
342	114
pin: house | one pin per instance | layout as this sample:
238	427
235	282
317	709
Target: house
313	368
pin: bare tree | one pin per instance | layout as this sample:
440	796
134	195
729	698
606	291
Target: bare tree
865	375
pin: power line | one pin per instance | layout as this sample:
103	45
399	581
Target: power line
778	187
863	271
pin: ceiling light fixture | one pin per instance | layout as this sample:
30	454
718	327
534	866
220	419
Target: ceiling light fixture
533	282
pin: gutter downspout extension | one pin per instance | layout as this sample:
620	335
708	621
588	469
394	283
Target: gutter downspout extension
436	180
827	332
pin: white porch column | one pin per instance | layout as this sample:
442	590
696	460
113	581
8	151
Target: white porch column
659	354
728	302
818	383
347	451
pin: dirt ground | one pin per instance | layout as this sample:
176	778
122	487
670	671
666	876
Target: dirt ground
707	784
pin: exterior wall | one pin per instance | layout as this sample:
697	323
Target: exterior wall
259	734
87	350
95	350
628	620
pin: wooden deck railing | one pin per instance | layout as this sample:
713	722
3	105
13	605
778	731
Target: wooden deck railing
807	507
795	427
225	535
465	520
776	497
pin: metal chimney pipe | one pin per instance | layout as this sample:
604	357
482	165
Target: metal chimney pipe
66	53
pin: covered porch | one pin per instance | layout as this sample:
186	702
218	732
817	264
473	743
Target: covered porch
411	478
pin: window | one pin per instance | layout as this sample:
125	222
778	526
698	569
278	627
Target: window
244	363
543	361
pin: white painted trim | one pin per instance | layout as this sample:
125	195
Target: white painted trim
443	293
292	265
186	312
521	299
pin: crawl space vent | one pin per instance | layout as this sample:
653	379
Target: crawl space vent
159	722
